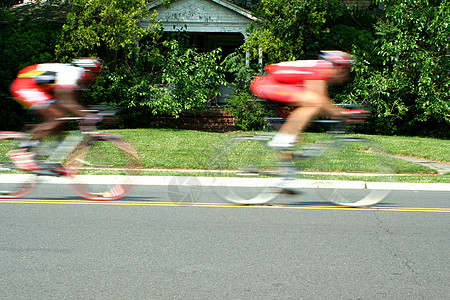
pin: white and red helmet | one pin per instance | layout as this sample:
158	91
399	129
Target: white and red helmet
338	58
90	65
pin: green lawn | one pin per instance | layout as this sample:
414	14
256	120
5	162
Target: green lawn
170	151
428	148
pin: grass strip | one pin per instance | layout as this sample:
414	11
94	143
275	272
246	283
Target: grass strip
174	152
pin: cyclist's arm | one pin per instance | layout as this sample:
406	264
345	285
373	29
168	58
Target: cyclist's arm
66	89
67	98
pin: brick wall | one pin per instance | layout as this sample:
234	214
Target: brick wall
215	120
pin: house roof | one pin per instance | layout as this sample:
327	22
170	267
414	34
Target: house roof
202	16
224	3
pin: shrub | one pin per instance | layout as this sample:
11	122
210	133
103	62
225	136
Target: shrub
170	82
249	111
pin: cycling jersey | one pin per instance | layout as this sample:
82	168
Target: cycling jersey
285	79
35	84
296	72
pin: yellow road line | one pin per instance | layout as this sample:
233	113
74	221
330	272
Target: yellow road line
273	206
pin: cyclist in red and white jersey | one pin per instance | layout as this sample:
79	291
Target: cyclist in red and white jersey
303	85
52	91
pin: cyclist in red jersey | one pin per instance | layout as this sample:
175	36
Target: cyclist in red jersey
303	84
51	90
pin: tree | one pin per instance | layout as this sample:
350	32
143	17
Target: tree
291	29
105	28
411	91
167	79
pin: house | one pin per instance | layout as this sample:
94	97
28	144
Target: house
210	23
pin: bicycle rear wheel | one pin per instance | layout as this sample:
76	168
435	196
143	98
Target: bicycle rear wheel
104	167
242	170
14	182
348	169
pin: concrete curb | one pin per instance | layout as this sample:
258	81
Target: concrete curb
255	182
244	182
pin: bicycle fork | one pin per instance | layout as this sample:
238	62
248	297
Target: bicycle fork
67	146
27	161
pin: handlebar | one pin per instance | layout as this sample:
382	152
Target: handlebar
352	114
97	114
102	110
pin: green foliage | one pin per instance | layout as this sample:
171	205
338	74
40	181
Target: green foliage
246	108
8	3
411	92
402	70
249	111
109	29
164	78
22	43
243	74
194	76
289	29
167	80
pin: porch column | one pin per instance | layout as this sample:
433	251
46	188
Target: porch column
247	58
247	54
260	58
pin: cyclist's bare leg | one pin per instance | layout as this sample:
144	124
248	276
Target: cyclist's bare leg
308	105
49	124
299	119
66	104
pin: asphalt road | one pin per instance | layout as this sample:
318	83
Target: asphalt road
53	245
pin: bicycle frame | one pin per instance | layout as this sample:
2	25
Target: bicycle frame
328	158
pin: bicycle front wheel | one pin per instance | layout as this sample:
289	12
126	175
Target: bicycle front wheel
242	170
104	167
350	169
14	182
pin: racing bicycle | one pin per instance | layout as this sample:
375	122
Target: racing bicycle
99	166
334	158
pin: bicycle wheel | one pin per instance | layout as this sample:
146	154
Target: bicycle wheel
347	168
242	168
14	182
104	166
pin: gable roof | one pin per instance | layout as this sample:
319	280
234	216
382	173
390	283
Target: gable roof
231	6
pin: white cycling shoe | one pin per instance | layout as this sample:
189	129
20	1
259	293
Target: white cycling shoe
282	141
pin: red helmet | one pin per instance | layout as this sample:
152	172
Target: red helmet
339	58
